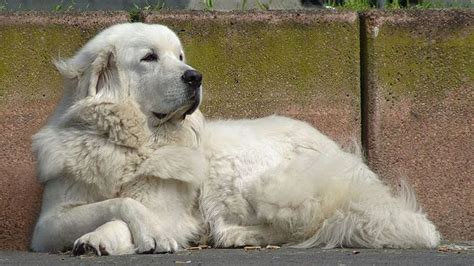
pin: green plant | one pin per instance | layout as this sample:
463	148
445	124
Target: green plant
357	5
136	12
71	6
423	5
209	5
445	4
61	6
361	5
264	6
58	7
159	5
395	4
3	5
244	4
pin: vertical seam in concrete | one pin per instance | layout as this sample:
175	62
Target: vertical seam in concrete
363	54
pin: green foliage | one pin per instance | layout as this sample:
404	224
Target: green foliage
244	4
57	7
64	7
157	6
361	5
3	5
443	4
264	6
136	12
356	5
135	15
395	4
209	5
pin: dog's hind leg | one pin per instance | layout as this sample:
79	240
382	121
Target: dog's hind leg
111	238
226	235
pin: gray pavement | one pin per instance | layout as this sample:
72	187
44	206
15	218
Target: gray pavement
283	256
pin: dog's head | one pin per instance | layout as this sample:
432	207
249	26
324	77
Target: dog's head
142	62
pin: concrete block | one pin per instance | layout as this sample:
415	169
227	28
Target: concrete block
299	64
418	108
29	90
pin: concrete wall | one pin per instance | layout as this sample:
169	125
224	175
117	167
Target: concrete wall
415	106
29	90
419	108
304	65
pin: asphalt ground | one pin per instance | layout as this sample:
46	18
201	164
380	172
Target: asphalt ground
463	255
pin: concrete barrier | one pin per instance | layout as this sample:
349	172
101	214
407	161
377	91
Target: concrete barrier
419	111
416	79
300	64
29	90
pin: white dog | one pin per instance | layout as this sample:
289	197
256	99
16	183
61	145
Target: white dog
130	166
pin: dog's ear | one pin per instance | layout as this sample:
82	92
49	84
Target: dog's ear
66	68
104	73
85	76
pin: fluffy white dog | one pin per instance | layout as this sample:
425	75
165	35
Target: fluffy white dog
130	166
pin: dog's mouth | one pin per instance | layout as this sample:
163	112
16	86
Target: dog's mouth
159	115
196	102
180	114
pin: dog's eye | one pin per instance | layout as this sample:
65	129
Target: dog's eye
150	57
181	57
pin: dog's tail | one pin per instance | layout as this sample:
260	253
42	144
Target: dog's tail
375	218
369	213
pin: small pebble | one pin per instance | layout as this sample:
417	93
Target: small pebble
247	248
182	262
272	247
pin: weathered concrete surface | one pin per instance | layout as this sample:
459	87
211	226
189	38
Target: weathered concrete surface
29	89
300	64
283	256
418	80
419	108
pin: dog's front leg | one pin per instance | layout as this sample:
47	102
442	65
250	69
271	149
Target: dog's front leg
175	162
58	229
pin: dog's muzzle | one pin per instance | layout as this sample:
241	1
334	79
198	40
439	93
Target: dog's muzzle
196	103
194	80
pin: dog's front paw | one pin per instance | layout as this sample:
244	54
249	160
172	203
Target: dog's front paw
156	244
102	244
91	243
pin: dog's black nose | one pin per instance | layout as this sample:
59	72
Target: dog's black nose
193	78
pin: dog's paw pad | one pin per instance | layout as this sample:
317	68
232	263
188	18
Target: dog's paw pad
85	249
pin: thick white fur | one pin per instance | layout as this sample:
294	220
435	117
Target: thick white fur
279	181
114	174
119	182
